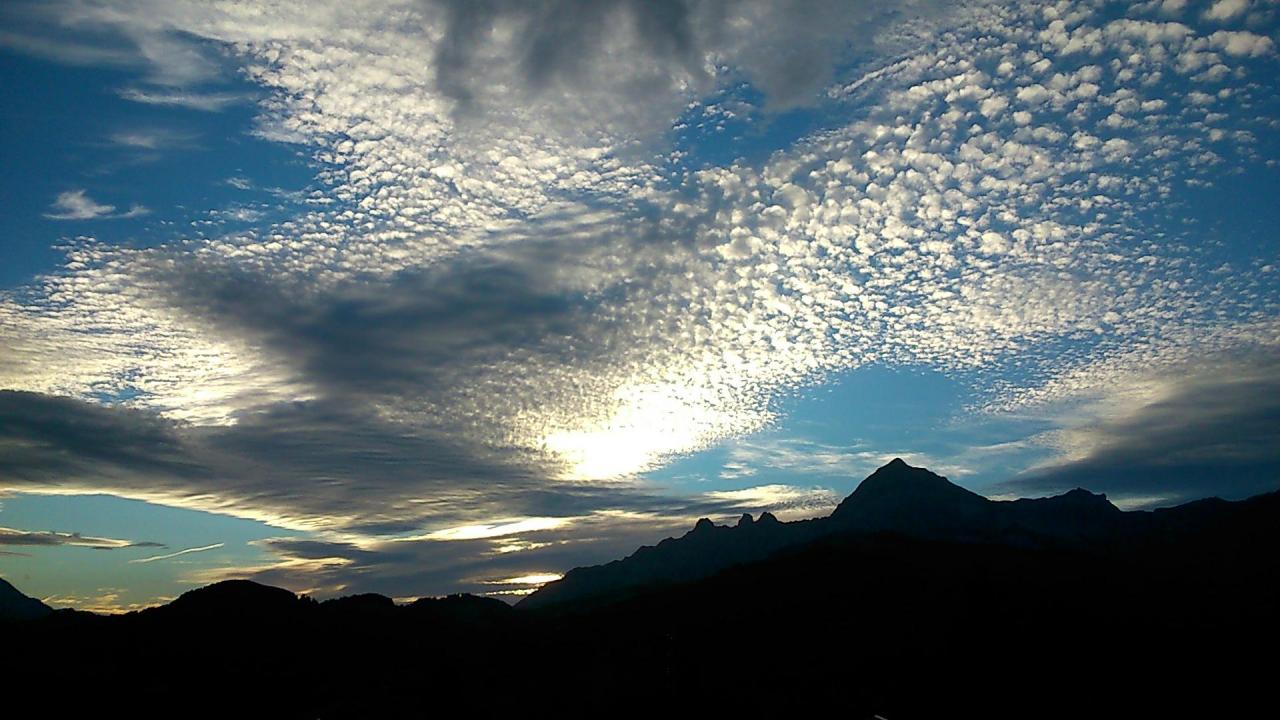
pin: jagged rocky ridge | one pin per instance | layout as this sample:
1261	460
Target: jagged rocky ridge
896	498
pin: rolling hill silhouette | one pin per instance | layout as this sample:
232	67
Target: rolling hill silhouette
915	598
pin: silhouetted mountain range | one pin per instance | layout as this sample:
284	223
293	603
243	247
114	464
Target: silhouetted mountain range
915	598
897	498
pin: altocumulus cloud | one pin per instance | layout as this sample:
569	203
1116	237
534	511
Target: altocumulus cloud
517	298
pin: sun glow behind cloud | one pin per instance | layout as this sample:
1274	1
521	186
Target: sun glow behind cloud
652	422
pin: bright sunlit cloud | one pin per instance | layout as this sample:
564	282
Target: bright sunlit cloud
497	529
539	579
651	422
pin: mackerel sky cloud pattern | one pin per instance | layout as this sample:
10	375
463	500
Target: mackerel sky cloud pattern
552	248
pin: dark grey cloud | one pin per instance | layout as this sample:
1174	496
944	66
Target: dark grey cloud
10	536
641	50
432	568
411	379
46	438
1217	433
303	460
561	41
420	327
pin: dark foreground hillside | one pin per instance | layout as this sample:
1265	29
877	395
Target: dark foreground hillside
1154	615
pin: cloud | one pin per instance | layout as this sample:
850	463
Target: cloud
415	567
1242	43
498	529
77	205
185	551
512	291
647	56
788	459
207	102
66	51
530	579
152	139
785	501
1213	427
237	213
271	465
48	438
1226	9
106	34
9	536
107	601
794	455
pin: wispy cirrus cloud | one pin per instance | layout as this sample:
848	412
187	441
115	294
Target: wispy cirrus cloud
153	138
203	101
70	52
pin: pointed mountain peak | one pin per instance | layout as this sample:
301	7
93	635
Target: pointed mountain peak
897	476
745	520
897	487
767	518
703	525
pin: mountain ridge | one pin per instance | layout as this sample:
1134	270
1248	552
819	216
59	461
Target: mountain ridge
896	498
1140	614
14	605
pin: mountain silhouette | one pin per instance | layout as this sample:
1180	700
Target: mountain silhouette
900	498
897	498
915	598
16	606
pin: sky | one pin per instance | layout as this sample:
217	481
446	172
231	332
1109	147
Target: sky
427	296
